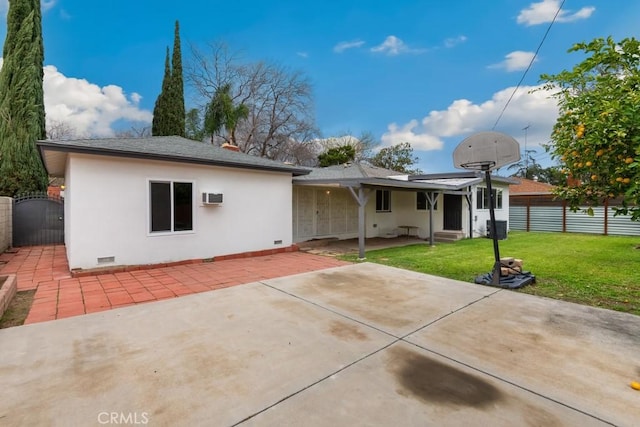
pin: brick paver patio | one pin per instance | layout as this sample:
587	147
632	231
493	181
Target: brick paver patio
58	295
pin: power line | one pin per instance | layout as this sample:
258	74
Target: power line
535	55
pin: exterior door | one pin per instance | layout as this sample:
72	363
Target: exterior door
452	212
305	212
323	212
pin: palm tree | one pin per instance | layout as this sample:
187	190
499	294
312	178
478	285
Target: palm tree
222	113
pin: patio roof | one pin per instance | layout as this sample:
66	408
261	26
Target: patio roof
363	175
360	178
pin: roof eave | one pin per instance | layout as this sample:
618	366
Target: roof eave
44	145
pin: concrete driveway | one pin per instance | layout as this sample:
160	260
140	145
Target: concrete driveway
362	344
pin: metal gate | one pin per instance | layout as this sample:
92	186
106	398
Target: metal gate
38	219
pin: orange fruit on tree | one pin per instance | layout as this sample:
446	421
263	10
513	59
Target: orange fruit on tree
628	160
626	180
619	179
594	177
588	164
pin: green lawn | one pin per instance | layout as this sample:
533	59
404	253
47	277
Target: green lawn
601	271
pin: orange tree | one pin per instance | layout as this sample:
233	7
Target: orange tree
596	138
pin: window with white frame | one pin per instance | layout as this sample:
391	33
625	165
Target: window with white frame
422	204
383	201
482	198
170	206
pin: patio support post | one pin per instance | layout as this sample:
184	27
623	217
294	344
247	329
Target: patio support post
362	198
432	198
468	198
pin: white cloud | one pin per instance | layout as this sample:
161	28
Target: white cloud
454	41
463	117
515	61
303	54
392	46
544	11
342	46
89	109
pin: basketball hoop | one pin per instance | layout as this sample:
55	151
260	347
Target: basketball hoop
480	166
486	151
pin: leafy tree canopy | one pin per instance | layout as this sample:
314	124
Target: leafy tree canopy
337	155
597	135
398	158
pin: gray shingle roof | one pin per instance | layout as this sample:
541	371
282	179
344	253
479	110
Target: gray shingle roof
168	148
347	171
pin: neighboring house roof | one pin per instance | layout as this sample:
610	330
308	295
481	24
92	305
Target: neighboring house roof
367	175
166	148
529	187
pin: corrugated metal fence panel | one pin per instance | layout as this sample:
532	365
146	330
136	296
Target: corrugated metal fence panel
549	218
622	225
580	222
545	218
518	218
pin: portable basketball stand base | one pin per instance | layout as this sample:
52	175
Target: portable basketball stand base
484	152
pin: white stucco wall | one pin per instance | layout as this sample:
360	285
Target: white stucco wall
107	211
403	212
481	216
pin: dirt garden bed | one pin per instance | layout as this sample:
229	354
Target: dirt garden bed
14	306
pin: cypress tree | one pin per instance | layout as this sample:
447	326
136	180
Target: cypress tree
169	111
177	83
22	116
160	124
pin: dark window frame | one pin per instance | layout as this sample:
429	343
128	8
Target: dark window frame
482	198
171	206
383	200
422	204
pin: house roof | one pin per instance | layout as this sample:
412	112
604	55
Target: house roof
166	148
352	175
529	187
348	171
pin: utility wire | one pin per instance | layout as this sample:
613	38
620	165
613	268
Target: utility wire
535	55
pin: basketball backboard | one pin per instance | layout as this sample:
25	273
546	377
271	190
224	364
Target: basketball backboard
486	151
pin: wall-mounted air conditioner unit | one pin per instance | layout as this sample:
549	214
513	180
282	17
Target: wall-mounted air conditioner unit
211	198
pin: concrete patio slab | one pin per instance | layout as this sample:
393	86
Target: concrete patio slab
581	356
406	386
211	359
301	351
391	299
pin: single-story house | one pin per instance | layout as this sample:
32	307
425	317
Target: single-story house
165	199
359	200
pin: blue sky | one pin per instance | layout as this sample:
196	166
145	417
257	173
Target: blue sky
426	72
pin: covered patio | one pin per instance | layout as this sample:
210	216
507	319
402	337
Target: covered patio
359	201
